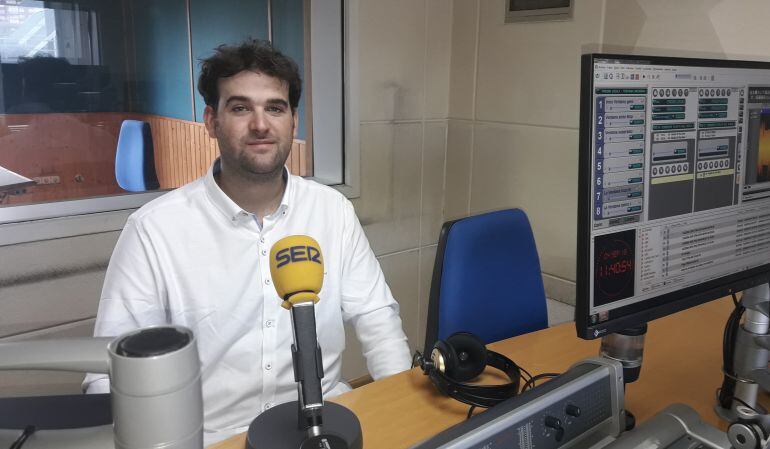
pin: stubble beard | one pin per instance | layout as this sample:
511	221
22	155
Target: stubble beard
257	166
248	166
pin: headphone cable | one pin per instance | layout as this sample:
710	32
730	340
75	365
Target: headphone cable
523	371
531	382
478	396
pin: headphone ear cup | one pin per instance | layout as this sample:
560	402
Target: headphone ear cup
446	354
470	356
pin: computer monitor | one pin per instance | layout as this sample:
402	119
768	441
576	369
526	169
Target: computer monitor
674	189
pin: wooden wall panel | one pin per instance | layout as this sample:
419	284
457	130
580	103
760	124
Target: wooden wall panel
79	151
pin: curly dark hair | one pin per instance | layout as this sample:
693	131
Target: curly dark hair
251	54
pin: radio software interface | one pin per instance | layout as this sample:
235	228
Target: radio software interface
681	188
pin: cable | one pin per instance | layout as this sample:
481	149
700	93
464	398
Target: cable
732	327
740	401
743	403
473	399
29	430
726	393
477	396
531	382
529	376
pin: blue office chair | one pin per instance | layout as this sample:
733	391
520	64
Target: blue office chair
486	279
134	158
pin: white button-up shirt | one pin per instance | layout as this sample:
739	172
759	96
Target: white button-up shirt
193	257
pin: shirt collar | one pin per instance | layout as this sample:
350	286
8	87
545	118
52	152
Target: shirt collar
228	207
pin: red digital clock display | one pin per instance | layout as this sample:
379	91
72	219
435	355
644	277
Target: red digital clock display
614	259
614	267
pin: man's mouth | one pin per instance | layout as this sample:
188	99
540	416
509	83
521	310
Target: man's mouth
260	142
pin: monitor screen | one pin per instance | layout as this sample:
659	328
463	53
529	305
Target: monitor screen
674	189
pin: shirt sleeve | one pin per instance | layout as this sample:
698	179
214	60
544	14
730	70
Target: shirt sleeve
368	305
131	295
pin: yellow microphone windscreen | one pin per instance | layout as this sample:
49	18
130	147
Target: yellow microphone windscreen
297	269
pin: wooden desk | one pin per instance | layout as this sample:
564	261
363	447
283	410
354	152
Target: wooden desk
682	363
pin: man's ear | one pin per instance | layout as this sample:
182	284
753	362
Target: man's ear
295	117
209	118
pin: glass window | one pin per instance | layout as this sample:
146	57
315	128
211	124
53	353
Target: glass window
74	74
31	28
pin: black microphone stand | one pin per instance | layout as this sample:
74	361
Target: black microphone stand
317	425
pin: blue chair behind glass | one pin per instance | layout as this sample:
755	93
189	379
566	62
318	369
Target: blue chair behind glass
134	158
486	279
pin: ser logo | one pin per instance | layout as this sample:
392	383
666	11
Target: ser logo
300	253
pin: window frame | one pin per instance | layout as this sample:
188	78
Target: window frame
44	221
340	170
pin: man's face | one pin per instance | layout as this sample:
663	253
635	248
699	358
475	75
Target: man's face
253	123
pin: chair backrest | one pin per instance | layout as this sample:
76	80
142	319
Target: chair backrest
486	279
135	158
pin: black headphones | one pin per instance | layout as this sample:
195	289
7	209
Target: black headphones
462	357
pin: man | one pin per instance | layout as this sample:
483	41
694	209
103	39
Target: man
199	255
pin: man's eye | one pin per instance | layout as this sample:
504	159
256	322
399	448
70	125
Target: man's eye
239	108
275	109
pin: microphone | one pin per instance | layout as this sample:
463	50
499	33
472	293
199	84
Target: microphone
296	266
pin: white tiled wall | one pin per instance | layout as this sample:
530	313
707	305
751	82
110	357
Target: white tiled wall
528	73
389	206
534	168
438	48
463	63
728	29
460	113
405	51
457	176
392	59
432	178
427	259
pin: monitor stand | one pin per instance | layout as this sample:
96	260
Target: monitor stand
749	350
626	347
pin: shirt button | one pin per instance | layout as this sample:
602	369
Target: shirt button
268	366
262	240
264	252
268	405
267	281
269	323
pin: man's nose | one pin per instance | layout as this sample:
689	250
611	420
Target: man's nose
258	122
